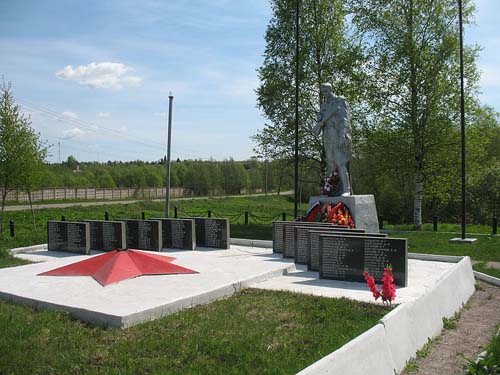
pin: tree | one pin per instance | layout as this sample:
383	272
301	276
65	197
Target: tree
22	154
326	55
412	83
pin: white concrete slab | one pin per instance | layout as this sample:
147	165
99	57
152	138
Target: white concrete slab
221	273
422	276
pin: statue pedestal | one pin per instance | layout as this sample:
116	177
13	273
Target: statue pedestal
362	207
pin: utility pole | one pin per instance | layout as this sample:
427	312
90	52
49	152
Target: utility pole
297	46
169	144
463	239
58	152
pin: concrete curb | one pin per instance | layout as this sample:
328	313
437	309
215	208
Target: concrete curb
251	243
435	258
487	278
385	348
28	249
200	299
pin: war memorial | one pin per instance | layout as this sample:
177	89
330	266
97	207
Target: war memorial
124	272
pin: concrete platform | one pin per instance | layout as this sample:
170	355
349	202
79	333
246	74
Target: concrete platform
422	276
221	273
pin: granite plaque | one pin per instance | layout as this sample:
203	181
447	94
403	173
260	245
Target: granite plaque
301	249
278	227
212	232
144	234
346	257
178	233
107	235
68	236
289	234
312	247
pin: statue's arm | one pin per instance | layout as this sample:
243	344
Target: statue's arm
319	121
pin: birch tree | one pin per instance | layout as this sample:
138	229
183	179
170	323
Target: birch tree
413	81
22	154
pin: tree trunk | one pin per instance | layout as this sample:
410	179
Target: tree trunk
417	203
4	196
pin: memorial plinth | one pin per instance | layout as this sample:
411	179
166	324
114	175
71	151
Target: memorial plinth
362	208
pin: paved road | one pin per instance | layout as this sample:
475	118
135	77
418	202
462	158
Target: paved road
102	203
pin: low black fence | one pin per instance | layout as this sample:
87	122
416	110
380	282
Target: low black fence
245	218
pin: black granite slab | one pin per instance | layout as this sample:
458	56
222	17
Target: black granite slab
144	234
70	236
312	246
289	238
212	232
107	235
346	257
178	233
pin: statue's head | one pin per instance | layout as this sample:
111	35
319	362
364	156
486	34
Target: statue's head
326	89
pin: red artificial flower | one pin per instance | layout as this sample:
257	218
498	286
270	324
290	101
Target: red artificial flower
371	284
388	287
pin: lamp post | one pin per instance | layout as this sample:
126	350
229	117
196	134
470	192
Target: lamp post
463	239
297	45
462	114
169	144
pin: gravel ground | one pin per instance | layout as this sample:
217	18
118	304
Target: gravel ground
477	324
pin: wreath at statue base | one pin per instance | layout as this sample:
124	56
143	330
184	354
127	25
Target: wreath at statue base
334	213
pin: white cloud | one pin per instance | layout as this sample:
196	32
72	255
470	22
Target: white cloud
73	133
106	75
103	114
160	114
70	115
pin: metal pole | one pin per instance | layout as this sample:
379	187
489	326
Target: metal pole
297	45
462	114
169	143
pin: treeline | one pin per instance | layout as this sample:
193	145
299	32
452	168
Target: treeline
200	176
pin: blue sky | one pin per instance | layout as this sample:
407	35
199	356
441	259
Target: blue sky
95	75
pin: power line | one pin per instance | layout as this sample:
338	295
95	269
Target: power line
94	127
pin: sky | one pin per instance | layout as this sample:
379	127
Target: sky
95	76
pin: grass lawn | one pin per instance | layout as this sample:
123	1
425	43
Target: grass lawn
252	332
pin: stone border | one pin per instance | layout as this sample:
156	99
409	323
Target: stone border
399	334
28	249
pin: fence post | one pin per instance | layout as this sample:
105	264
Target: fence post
435	223
283	216
246	217
209	213
106	215
11	225
175	212
495	226
143	215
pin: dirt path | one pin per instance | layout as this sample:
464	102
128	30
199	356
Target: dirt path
474	329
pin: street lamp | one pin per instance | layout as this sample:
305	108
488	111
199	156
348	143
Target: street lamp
169	144
297	45
463	239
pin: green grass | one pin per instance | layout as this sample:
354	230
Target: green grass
443	228
261	210
487	248
252	332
